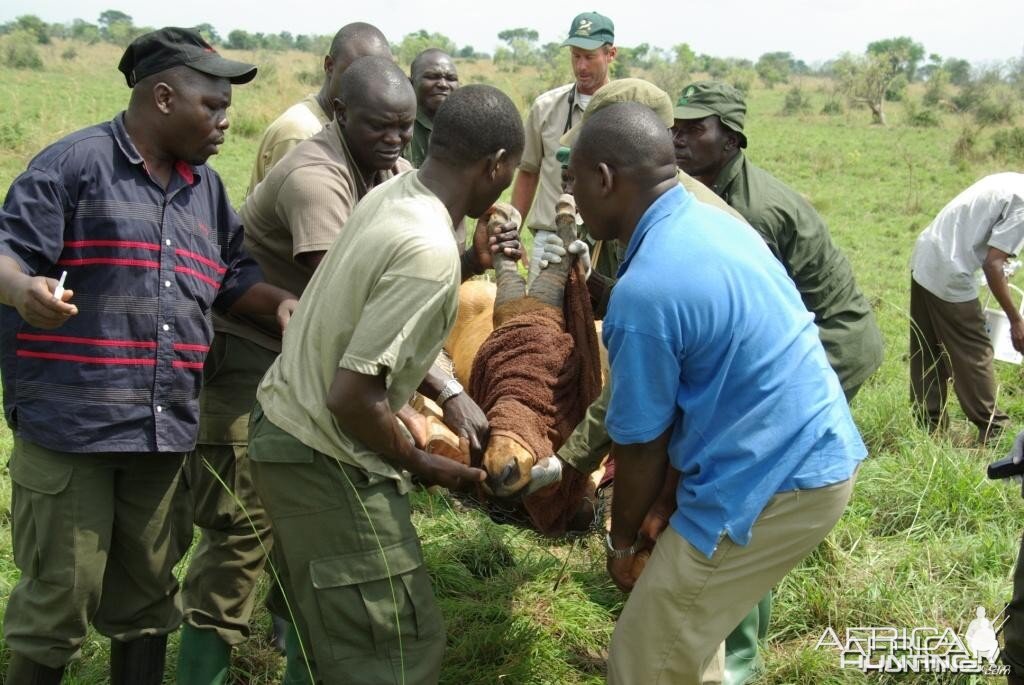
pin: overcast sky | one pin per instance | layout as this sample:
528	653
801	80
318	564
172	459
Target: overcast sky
813	30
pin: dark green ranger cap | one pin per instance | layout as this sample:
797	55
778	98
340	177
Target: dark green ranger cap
707	98
590	31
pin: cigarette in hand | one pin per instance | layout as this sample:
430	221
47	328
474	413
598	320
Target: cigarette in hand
58	292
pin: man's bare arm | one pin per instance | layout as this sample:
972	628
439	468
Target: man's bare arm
997	283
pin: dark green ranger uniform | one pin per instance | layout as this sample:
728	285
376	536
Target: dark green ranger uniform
416	150
798	237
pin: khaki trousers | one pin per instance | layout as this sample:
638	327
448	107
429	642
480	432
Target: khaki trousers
96	538
948	341
684	604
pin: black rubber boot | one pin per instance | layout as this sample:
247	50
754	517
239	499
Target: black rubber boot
27	672
139	662
278	633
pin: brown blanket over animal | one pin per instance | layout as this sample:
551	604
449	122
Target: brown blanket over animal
534	377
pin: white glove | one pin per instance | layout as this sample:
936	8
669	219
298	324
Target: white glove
582	251
547	248
544	473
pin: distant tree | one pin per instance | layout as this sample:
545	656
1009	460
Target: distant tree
928	70
672	69
57	30
716	67
20	50
415	43
866	78
84	31
1016	73
685	59
521	41
209	32
988	97
741	78
774	67
639	56
241	40
959	70
108	18
502	57
466	52
31	24
902	51
937	90
897	89
116	27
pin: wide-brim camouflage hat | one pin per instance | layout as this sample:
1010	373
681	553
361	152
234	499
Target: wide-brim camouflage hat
624	90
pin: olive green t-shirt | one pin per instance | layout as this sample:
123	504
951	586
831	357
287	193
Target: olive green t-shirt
799	238
301	206
382	302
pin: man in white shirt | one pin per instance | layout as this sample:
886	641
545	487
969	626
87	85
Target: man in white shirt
539	181
981	228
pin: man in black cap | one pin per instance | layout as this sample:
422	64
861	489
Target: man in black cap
539	181
100	382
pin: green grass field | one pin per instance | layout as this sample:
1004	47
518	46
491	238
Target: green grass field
925	540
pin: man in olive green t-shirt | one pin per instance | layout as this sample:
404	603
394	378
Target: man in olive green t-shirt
330	462
291	220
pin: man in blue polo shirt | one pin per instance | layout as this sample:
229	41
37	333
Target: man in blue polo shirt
716	366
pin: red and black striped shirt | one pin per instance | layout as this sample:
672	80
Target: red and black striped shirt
147	265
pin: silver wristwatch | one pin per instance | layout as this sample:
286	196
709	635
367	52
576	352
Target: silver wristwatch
450	390
620	553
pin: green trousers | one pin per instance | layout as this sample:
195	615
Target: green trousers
360	596
96	538
219	589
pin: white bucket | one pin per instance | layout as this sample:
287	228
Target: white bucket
997	325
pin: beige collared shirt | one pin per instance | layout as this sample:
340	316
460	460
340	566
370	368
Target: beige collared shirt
302	205
551	115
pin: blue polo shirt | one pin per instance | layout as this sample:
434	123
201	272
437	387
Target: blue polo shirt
147	266
707	334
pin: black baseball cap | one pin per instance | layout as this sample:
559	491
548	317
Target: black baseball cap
171	46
